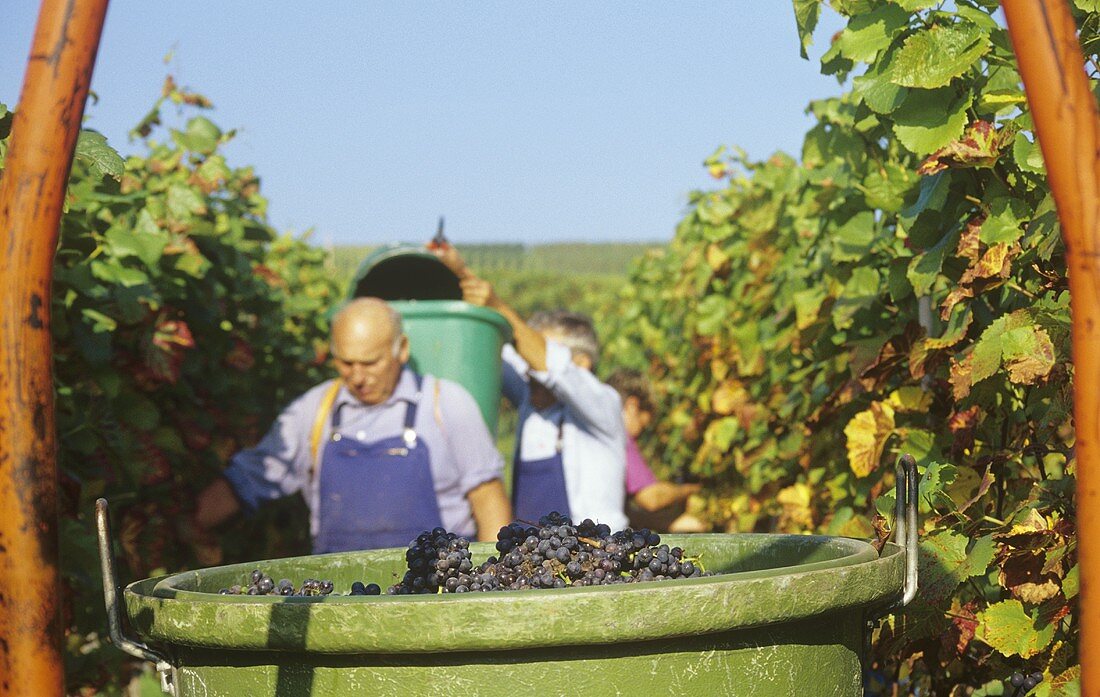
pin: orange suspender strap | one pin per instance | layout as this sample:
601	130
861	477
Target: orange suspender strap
323	412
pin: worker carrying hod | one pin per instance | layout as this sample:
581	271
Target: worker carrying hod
570	451
380	454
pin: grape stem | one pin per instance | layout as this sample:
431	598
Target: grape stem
697	560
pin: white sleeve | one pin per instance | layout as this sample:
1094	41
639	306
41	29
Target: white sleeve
593	403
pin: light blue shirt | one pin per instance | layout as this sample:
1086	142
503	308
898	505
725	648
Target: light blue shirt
593	444
463	454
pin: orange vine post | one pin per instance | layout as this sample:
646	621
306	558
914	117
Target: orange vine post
32	189
1067	125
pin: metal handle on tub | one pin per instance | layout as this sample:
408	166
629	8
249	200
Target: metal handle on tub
905	522
111	601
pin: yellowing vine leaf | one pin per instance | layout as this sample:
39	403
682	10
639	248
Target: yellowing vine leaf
1010	630
980	146
989	271
1022	574
960	376
728	397
866	436
717	259
1028	354
910	398
795	501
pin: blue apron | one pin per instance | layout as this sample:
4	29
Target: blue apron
538	486
378	494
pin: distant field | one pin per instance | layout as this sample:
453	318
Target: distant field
565	259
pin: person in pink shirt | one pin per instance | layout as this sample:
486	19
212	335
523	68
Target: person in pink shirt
651	500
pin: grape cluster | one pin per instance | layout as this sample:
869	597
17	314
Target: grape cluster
1024	684
437	559
260	583
552	554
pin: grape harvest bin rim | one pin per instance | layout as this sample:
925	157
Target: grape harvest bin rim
166	610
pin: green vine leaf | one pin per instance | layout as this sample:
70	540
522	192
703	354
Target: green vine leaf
871	32
941	564
805	15
853	239
930	119
914	5
146	241
877	91
925	268
933	57
201	136
102	159
1027	154
1005	222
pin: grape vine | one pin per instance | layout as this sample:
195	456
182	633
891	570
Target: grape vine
899	288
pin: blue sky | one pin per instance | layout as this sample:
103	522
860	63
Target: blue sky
521	122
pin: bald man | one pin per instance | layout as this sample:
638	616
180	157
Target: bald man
380	454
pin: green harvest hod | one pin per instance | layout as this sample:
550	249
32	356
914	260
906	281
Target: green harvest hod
447	337
786	615
788	618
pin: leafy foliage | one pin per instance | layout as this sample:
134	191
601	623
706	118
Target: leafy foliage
182	322
900	289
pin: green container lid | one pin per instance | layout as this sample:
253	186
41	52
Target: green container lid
448	338
404	272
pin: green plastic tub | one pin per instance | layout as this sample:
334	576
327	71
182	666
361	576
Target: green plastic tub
447	337
787	616
461	342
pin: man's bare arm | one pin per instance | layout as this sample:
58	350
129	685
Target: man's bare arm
477	291
529	343
216	504
491	509
662	494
